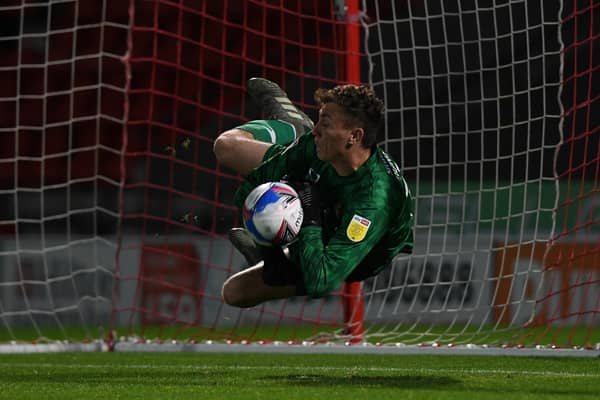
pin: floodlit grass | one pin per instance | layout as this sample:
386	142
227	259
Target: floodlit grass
286	376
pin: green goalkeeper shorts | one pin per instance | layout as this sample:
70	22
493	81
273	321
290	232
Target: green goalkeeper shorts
270	131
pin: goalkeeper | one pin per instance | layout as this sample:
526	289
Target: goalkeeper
357	206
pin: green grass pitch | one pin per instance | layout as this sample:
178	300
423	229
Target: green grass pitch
295	376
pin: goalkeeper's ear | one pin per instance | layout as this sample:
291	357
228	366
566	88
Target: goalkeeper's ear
356	137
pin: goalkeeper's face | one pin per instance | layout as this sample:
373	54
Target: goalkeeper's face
333	136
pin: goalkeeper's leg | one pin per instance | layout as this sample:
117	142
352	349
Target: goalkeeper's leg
247	288
243	242
274	278
276	105
239	150
243	148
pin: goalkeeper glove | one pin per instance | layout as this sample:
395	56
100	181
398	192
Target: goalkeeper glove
311	204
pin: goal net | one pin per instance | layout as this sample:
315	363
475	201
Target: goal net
115	212
493	114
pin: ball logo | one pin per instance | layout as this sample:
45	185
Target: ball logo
299	219
357	228
273	213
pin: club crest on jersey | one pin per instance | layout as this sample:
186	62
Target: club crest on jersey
357	228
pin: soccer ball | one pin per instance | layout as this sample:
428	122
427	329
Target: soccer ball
273	213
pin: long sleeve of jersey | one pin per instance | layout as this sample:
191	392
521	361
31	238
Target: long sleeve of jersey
325	267
374	222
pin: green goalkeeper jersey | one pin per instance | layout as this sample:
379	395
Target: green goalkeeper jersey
367	216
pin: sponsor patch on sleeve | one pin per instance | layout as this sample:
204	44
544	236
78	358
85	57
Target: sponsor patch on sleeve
357	228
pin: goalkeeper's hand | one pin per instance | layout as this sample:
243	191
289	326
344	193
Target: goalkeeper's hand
311	204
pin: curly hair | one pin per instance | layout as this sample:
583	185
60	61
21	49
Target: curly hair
361	105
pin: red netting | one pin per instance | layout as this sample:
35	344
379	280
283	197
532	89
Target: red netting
570	298
189	65
60	84
108	113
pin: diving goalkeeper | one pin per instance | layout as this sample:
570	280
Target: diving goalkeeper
357	206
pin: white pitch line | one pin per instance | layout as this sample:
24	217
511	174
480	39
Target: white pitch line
304	368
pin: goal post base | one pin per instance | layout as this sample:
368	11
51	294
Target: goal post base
363	348
58	347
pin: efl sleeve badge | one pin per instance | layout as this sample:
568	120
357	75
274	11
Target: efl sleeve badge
357	228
